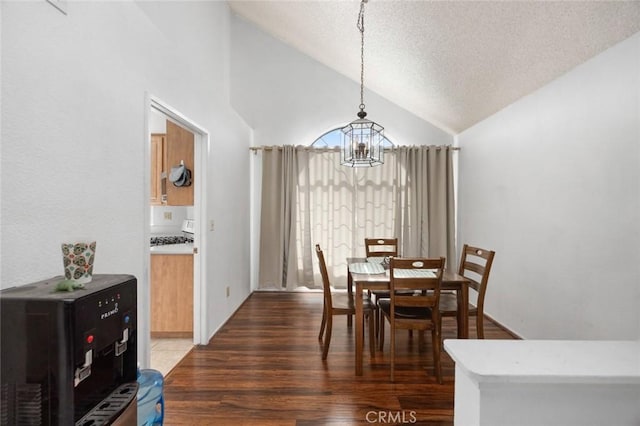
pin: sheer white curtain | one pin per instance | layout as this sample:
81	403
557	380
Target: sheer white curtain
409	197
338	207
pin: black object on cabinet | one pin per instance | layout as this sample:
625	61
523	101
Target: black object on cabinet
68	357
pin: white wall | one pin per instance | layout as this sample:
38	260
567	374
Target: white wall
289	98
552	183
161	225
74	149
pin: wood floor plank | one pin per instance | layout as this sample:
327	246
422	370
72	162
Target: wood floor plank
264	368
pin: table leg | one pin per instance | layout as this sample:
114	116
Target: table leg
359	330
463	311
350	293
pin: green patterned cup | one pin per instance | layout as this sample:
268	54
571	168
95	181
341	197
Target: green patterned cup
78	261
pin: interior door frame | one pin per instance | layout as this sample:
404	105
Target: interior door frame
201	154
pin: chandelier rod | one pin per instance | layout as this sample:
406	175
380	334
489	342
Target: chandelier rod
360	26
255	149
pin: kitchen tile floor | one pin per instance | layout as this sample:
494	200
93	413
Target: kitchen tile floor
166	353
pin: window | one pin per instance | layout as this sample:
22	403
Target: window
333	139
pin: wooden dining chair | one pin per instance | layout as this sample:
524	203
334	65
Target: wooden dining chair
475	265
339	304
413	304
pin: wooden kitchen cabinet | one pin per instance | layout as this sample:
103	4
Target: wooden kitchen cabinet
158	167
167	151
171	295
180	149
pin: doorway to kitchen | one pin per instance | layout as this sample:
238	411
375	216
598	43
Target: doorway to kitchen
175	296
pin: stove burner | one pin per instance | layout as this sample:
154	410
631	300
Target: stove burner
161	241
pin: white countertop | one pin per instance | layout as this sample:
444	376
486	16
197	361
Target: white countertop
547	361
184	248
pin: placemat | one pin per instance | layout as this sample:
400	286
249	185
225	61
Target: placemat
414	273
366	268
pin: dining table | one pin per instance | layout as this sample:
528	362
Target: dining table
370	277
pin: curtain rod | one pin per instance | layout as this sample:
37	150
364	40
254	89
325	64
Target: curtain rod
337	149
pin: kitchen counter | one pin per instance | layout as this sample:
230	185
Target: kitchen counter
545	382
184	248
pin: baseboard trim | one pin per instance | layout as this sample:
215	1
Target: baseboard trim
504	328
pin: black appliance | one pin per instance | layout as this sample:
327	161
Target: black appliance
68	358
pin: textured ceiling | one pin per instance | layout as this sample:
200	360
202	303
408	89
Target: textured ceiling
452	63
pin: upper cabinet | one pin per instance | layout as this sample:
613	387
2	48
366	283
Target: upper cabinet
167	151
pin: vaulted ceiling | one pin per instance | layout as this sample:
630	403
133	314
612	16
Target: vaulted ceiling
452	63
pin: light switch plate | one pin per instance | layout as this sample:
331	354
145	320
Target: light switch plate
61	5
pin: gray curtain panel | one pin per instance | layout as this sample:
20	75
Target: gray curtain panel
428	206
278	218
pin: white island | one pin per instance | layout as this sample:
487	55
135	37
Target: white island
546	382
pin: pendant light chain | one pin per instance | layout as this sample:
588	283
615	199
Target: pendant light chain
361	28
363	140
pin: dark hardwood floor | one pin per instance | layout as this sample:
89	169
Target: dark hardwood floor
264	367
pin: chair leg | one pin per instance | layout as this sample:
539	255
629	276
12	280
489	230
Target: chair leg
459	321
392	332
376	313
436	342
350	295
327	337
322	324
372	337
381	332
480	325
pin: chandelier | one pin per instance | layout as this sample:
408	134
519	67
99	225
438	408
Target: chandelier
362	141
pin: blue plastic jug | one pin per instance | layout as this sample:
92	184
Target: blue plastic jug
150	398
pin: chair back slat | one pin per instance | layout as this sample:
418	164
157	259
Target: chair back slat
473	283
380	247
415	301
472	266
